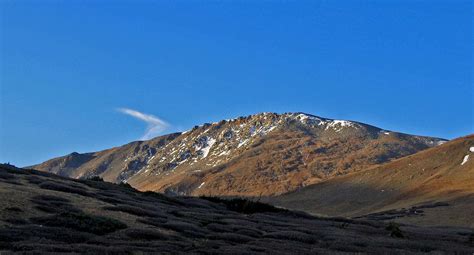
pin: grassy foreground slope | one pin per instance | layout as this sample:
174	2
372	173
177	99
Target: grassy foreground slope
434	187
42	212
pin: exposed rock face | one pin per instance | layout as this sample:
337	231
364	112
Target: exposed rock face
262	154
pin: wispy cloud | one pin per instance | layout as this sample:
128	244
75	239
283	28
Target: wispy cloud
155	127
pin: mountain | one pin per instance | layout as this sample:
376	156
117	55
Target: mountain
42	213
258	155
433	187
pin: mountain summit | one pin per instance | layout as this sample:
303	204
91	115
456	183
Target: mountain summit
261	154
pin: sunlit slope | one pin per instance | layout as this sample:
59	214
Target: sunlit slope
443	174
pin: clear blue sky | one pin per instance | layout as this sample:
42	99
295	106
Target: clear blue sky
67	66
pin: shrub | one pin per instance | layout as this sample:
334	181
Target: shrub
292	235
13	209
244	205
186	229
231	237
145	234
126	185
156	222
97	183
216	227
16	221
111	200
81	222
344	225
50	198
394	229
15	237
12	182
53	204
181	226
162	197
6	176
95	178
64	188
34	179
132	210
250	232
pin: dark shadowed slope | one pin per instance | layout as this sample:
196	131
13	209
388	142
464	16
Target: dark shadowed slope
41	212
262	154
435	187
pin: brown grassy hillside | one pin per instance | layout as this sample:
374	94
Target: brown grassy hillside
262	154
431	187
42	213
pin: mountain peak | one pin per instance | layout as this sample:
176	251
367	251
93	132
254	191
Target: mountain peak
260	154
273	120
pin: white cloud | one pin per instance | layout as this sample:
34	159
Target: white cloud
155	127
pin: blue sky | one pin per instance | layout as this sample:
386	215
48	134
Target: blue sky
66	67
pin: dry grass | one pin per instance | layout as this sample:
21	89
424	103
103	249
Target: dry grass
38	217
429	188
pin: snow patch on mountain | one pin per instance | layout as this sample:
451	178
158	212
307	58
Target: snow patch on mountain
243	143
339	125
223	153
208	147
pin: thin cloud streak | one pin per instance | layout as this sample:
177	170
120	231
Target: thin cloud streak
155	127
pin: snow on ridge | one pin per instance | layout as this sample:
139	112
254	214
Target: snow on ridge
210	142
305	118
466	158
338	125
223	153
150	159
242	143
309	119
343	123
302	116
273	127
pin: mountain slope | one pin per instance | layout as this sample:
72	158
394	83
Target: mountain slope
44	213
262	154
435	186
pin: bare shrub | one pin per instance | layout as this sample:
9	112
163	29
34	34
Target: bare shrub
394	229
63	188
246	206
292	235
145	234
53	204
231	237
81	222
132	210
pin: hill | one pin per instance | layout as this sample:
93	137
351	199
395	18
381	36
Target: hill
42	213
261	154
433	187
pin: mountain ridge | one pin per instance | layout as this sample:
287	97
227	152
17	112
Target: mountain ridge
282	151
